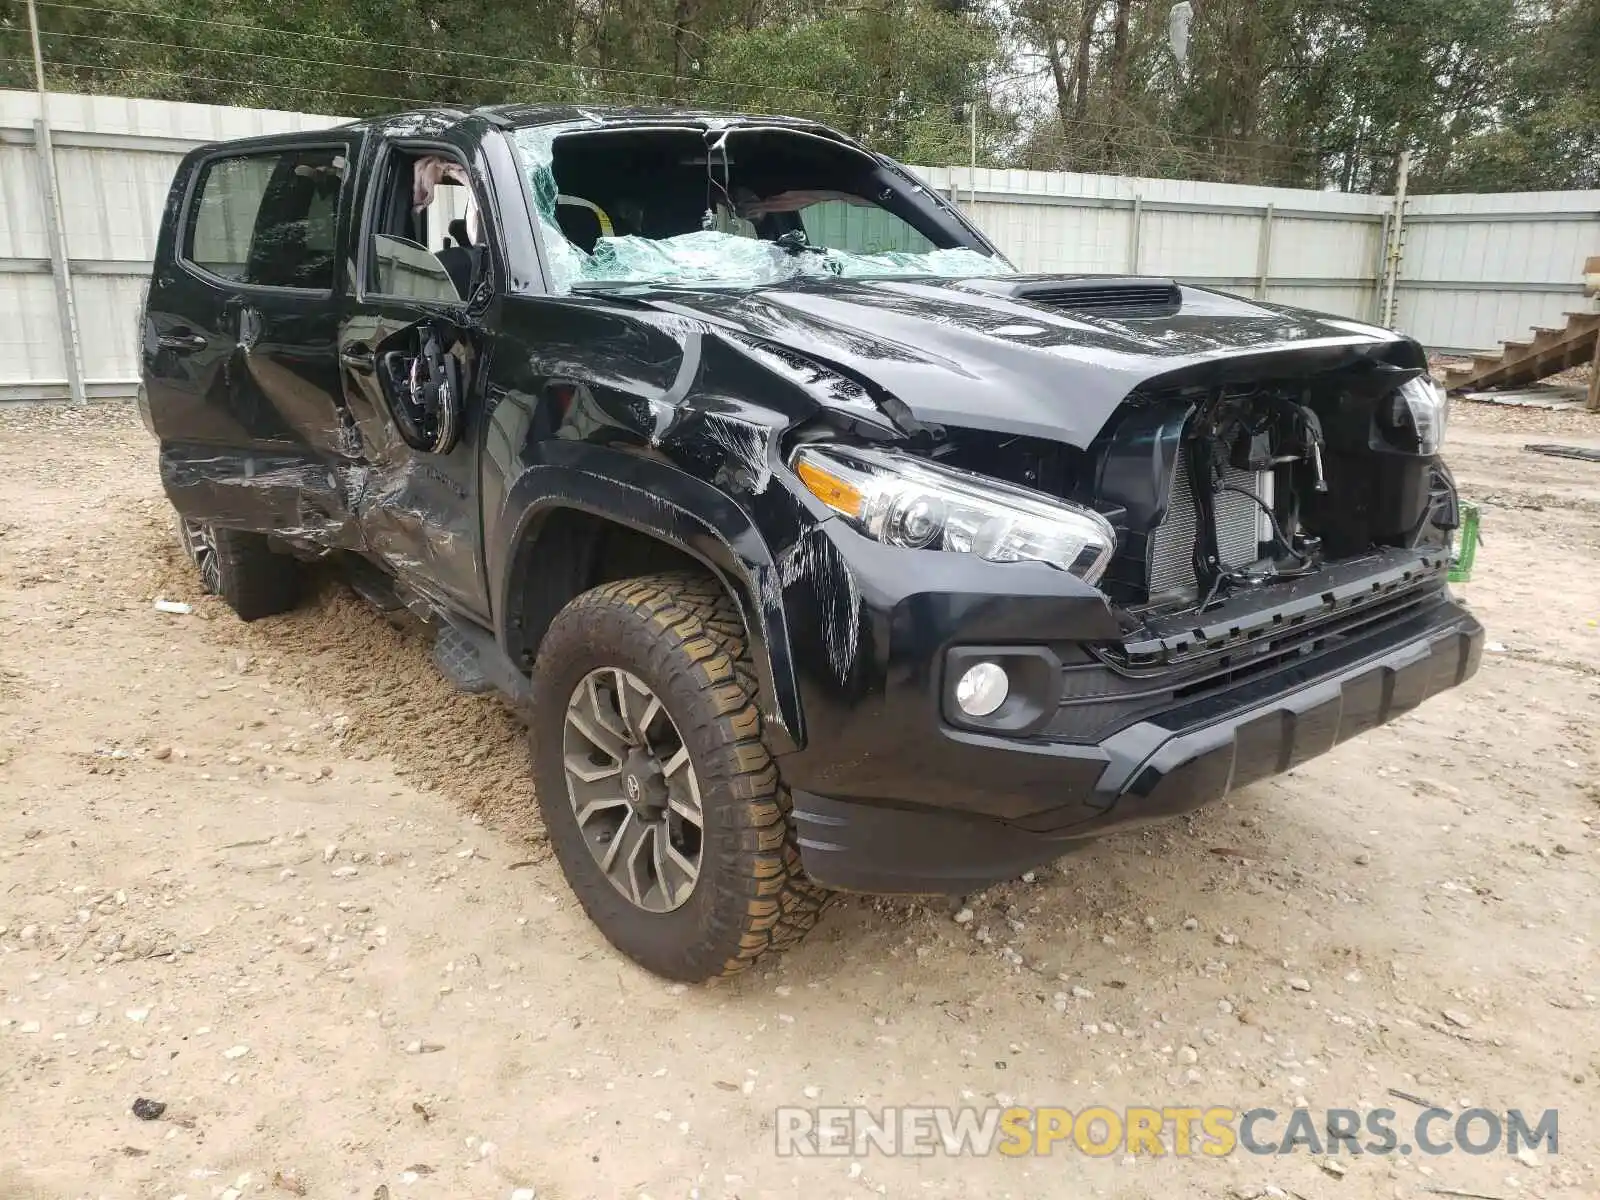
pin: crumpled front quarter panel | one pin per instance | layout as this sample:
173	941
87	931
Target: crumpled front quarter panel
661	423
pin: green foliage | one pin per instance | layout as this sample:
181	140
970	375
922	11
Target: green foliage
898	77
1550	135
1486	94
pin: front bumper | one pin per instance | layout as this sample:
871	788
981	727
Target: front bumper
901	801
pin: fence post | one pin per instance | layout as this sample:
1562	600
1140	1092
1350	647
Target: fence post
1380	270
1397	235
1133	235
1264	253
66	306
972	161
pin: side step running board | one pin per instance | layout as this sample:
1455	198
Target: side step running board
471	660
371	584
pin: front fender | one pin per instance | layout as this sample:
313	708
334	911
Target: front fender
665	502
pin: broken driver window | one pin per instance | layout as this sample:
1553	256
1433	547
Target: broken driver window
739	206
427	240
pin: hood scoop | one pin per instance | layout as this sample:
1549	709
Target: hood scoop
1094	296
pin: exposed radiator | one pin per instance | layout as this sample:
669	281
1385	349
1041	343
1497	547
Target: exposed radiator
1239	529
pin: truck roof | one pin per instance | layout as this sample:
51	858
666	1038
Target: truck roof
518	116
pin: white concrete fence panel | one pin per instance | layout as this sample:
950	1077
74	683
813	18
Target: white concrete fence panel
1475	270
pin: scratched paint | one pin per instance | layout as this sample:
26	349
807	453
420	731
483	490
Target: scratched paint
816	561
748	449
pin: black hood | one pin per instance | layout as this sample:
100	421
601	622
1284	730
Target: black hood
976	353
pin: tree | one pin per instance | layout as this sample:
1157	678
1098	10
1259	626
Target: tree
1550	134
1486	94
898	75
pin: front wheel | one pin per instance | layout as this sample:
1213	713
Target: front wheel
661	802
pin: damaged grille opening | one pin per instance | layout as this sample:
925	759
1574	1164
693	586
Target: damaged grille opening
1236	519
1098	700
1243	459
1226	489
1242	510
1174	642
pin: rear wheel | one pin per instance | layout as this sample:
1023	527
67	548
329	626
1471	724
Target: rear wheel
241	568
661	802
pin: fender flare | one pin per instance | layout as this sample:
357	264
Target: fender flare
664	502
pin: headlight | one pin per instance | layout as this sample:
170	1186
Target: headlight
1417	415
903	500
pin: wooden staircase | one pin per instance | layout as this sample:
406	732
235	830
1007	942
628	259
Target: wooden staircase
1550	351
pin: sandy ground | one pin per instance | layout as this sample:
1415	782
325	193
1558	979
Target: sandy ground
281	879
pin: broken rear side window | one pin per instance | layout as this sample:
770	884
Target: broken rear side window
740	206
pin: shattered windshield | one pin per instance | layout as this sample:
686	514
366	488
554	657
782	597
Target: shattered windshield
742	207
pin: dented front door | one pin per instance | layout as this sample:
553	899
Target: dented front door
412	356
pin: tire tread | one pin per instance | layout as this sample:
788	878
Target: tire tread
256	582
763	901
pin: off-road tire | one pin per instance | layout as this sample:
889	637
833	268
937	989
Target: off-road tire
680	633
254	580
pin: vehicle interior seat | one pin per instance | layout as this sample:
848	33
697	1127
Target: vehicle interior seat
461	259
582	221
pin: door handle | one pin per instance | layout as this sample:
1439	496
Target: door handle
358	357
184	343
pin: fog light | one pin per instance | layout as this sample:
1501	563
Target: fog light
982	689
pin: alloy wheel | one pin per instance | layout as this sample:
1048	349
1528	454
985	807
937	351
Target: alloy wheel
201	548
633	789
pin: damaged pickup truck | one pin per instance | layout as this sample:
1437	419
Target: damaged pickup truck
821	549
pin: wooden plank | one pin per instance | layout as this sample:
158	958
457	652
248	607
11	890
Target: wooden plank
1593	403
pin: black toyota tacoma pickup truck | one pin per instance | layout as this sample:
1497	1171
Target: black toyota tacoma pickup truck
821	548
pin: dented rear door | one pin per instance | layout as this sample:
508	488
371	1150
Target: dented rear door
240	354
